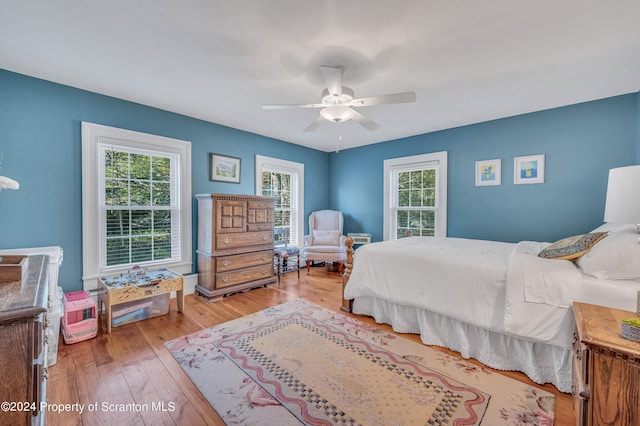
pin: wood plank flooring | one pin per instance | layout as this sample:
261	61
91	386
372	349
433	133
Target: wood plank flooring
130	366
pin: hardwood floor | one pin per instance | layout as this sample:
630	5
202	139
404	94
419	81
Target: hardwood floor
113	372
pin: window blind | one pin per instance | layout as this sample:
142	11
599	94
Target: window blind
139	206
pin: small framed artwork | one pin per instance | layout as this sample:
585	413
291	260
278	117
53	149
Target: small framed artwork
489	172
529	169
223	168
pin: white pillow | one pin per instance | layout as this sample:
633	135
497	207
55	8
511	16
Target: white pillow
327	238
616	257
615	227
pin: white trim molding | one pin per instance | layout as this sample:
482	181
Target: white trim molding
438	160
262	163
92	136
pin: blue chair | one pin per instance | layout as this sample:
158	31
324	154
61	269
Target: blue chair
285	258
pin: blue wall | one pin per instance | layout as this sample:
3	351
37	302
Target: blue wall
580	142
40	140
638	133
41	144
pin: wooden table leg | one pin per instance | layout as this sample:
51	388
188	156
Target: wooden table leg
180	299
107	315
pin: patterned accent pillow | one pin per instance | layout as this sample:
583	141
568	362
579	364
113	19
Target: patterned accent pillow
572	248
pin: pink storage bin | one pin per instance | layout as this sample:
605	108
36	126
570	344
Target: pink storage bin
80	319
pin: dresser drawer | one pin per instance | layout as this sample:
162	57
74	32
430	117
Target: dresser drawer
238	261
230	241
226	279
260	227
259	215
260	205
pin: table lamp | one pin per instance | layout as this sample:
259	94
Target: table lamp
623	196
6	183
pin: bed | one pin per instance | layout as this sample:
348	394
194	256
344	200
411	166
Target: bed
497	302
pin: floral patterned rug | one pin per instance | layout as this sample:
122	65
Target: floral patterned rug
299	363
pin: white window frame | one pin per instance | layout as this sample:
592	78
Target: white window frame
285	166
395	165
92	136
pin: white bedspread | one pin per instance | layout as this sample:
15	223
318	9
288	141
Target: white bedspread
553	282
501	287
540	292
462	278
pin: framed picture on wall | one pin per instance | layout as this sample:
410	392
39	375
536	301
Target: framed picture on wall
223	168
489	172
529	169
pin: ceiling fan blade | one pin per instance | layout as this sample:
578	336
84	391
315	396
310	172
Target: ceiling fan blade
392	98
313	126
333	79
285	106
364	121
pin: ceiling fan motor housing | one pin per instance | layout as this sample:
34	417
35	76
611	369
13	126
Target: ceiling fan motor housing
337	98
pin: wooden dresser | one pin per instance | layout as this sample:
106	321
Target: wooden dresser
23	318
606	368
235	243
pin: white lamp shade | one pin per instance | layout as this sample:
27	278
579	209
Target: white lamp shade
337	113
6	183
623	196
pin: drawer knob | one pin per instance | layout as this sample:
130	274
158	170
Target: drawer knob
264	237
225	279
226	241
260	215
245	273
265	257
226	263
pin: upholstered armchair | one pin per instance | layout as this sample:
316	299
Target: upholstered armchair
325	241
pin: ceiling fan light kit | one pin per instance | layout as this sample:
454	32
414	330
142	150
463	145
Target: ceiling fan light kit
337	113
338	102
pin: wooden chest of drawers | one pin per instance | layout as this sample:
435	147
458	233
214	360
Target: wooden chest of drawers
606	368
23	359
235	243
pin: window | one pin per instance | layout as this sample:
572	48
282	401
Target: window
137	205
283	180
136	202
415	196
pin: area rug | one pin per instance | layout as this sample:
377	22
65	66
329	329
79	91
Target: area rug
300	363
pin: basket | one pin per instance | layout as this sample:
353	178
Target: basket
630	332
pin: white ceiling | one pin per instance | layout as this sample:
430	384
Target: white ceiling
220	61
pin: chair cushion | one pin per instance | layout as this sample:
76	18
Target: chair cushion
326	257
289	250
324	249
326	237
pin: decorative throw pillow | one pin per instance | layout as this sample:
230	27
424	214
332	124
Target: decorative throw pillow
327	238
571	248
616	258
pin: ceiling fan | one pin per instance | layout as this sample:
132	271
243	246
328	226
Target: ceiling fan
338	102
